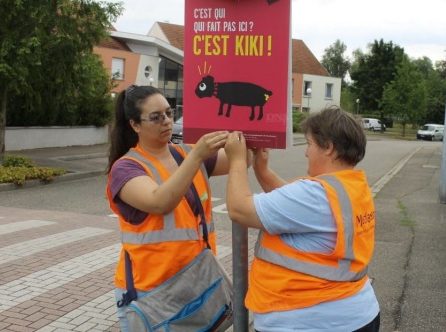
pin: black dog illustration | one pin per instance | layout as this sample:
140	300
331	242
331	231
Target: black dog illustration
234	93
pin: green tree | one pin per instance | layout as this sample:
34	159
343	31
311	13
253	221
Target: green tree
335	61
45	48
436	98
19	51
405	96
348	100
424	66
372	71
435	83
440	67
437	93
358	57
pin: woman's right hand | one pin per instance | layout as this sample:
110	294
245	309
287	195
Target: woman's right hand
210	143
260	160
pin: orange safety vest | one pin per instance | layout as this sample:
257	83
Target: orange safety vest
285	278
161	245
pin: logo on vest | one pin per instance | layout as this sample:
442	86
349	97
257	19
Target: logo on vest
365	221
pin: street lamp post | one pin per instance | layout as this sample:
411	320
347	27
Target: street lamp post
308	91
357	106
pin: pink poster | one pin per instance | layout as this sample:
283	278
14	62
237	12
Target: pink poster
236	69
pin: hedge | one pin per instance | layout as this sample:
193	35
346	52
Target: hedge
18	169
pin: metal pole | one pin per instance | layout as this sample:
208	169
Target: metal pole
240	276
443	168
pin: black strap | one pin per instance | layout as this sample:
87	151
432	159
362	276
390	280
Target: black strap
131	294
179	159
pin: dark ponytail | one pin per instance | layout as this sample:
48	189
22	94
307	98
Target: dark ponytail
127	108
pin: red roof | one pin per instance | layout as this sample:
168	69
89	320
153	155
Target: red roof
174	34
114	43
304	62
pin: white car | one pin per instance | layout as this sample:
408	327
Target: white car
372	124
431	132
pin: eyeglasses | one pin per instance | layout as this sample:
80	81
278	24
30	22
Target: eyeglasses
159	117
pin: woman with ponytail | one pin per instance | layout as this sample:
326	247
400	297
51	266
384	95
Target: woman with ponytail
152	192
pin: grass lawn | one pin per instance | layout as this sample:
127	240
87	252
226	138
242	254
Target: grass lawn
397	132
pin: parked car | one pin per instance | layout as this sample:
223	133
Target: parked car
431	132
373	124
177	131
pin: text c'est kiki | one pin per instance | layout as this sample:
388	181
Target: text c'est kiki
244	45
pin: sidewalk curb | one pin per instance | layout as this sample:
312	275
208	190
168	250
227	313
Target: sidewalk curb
81	156
376	188
61	178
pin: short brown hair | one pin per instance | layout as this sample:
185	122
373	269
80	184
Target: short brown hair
333	125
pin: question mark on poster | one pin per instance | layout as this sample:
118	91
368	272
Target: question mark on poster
251	24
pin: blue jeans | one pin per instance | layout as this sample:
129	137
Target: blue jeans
123	322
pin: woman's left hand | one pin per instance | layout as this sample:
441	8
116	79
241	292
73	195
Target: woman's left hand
209	144
235	147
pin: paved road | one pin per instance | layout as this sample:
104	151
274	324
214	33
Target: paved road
59	245
88	195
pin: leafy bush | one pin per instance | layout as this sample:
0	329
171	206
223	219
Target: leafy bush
18	169
298	117
17	161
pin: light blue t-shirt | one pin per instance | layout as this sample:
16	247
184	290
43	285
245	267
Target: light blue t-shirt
300	212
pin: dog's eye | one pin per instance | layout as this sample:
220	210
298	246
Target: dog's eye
202	87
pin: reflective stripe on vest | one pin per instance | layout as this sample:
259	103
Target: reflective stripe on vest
183	234
342	271
210	225
188	149
169	231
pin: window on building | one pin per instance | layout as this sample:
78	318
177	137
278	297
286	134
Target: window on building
171	73
329	90
161	71
307	88
170	82
117	70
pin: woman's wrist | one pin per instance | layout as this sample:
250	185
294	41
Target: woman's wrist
195	157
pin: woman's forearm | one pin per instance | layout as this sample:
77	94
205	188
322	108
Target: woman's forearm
269	180
171	192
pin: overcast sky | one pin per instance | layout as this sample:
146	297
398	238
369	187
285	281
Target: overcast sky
417	26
